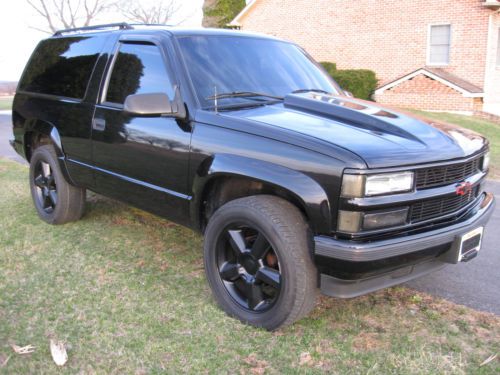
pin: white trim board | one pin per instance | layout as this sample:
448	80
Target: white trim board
235	21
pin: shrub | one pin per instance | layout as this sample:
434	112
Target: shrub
329	67
360	82
219	13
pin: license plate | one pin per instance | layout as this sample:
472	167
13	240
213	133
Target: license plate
470	242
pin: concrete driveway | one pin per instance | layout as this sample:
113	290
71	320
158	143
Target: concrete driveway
475	284
6	151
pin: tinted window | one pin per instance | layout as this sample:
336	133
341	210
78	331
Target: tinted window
62	66
138	69
229	64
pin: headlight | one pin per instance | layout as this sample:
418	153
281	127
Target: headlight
357	186
486	162
388	183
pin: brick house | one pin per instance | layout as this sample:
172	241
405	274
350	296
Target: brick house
427	54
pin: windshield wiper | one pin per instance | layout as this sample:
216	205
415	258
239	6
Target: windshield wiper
243	94
299	91
247	105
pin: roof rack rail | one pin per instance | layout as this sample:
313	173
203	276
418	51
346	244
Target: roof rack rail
150	24
120	25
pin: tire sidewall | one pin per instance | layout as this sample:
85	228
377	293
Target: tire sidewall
251	216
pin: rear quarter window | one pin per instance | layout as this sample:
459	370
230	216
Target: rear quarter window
62	66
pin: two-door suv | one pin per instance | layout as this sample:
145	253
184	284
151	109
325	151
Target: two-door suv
296	186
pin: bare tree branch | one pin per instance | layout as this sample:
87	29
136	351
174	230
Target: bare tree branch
69	13
161	13
60	11
42	30
43	11
74	13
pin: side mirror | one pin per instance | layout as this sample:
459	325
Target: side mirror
148	104
155	104
348	94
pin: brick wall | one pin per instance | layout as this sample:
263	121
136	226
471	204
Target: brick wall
389	37
422	92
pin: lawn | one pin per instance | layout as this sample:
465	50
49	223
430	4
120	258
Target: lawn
487	128
126	291
5	103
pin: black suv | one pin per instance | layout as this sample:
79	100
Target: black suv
295	185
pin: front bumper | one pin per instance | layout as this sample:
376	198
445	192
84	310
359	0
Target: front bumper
345	251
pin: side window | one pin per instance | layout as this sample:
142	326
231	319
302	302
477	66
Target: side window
138	69
62	66
439	45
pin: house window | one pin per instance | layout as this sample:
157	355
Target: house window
439	45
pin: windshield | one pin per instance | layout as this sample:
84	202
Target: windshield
222	64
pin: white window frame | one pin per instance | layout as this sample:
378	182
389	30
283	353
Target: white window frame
428	59
498	49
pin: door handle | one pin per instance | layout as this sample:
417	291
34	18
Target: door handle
99	124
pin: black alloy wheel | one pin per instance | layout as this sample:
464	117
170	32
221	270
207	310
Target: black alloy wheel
45	186
249	268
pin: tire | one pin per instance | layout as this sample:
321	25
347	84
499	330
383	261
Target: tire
56	201
261	242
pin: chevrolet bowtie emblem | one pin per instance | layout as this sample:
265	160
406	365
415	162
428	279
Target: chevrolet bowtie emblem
464	188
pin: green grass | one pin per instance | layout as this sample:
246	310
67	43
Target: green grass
126	291
487	128
5	103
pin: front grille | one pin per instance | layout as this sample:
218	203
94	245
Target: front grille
437	207
445	175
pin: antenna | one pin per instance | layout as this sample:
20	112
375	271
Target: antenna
215	98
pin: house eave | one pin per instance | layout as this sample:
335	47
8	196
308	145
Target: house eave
464	92
491	4
236	21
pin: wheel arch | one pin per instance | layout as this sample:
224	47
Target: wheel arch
223	177
40	132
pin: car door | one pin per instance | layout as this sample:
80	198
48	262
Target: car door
142	160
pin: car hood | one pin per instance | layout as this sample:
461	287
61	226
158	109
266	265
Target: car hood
383	137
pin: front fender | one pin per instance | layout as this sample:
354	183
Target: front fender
307	191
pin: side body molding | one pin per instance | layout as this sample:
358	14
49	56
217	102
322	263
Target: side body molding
307	191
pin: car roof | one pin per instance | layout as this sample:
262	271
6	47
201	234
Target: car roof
176	31
199	31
